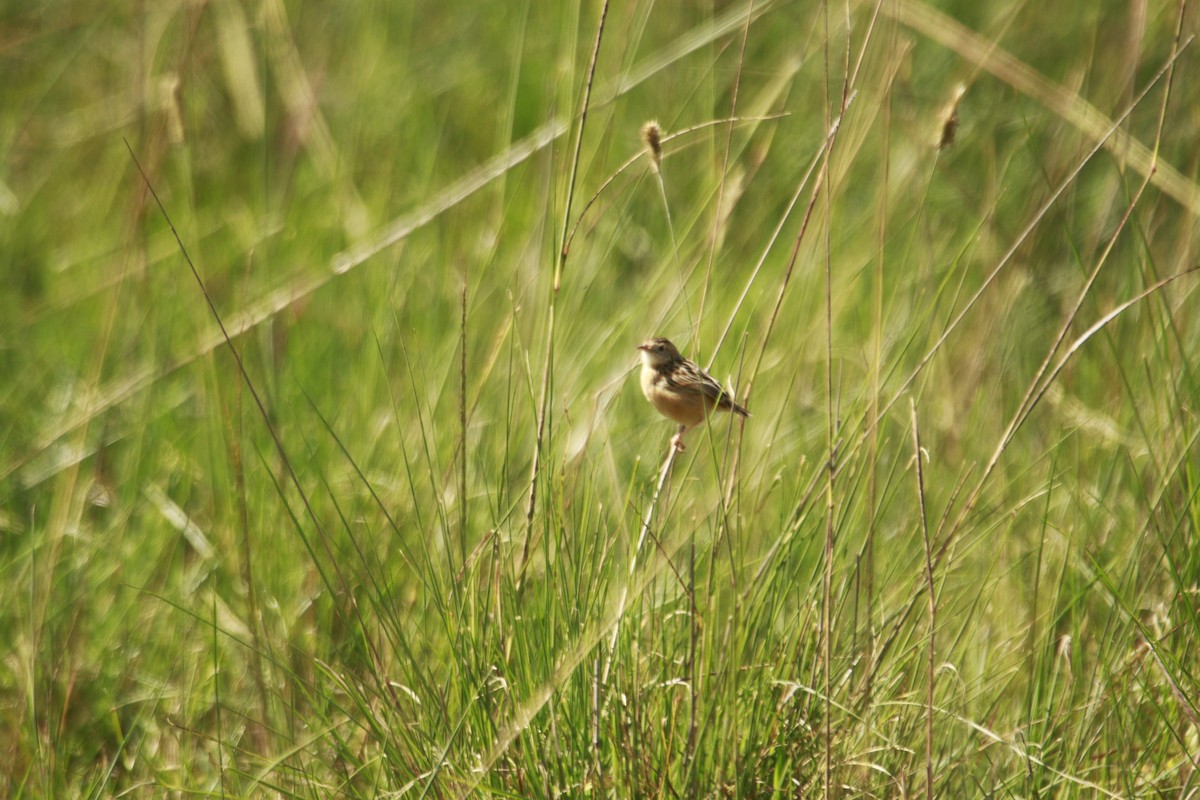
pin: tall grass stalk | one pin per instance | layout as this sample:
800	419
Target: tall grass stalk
559	264
931	590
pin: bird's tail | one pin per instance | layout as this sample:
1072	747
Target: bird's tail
729	404
726	403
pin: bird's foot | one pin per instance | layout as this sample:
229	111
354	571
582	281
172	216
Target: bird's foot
677	442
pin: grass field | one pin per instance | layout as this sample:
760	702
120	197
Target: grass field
375	508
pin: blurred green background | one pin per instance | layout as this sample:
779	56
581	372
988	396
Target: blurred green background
374	196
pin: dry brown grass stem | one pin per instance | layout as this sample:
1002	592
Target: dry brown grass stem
918	455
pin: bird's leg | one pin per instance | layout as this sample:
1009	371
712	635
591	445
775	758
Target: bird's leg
677	441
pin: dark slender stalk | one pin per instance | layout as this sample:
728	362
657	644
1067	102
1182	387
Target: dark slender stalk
462	424
830	435
559	264
867	560
712	250
920	473
217	698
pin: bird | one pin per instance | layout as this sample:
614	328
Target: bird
679	389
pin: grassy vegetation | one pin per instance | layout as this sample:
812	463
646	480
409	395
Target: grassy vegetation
329	575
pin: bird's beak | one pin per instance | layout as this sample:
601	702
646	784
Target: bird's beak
642	347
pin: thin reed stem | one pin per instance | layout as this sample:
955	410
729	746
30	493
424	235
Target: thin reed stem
462	425
918	455
733	101
559	264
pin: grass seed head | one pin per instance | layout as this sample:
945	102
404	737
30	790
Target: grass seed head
652	136
949	118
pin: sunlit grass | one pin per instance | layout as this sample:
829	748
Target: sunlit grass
376	201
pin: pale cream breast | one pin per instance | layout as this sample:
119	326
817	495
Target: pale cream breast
686	409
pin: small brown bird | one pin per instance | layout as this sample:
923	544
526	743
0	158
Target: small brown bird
679	389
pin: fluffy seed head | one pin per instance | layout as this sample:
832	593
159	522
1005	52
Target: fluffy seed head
652	137
950	118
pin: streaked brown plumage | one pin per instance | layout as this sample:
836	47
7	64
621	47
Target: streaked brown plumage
679	389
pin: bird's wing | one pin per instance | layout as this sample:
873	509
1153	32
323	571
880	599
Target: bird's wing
687	377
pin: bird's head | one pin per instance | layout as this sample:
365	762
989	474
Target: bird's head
659	352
